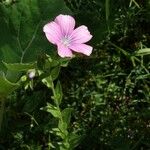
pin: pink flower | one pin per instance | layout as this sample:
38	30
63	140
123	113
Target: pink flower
61	32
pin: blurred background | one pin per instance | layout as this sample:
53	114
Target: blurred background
109	91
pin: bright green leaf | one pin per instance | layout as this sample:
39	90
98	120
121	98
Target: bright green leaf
66	114
63	127
59	93
48	81
144	51
53	110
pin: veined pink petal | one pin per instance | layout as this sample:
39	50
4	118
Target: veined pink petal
80	35
53	32
82	48
66	23
64	51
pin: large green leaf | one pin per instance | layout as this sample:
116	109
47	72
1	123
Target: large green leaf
19	66
6	87
21	25
22	37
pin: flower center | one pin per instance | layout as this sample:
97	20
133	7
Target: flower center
65	41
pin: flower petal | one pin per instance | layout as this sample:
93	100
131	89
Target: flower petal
80	35
82	48
53	32
64	51
66	23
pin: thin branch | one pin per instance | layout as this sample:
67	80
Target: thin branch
120	49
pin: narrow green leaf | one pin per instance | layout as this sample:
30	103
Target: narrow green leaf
144	51
66	114
48	81
107	9
133	1
53	110
59	93
146	76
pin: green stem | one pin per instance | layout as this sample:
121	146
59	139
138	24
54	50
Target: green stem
56	100
120	49
2	106
130	57
141	64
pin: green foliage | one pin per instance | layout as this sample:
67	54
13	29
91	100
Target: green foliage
18	67
6	86
21	24
144	51
96	102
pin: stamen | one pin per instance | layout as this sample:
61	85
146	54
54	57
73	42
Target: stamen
65	41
